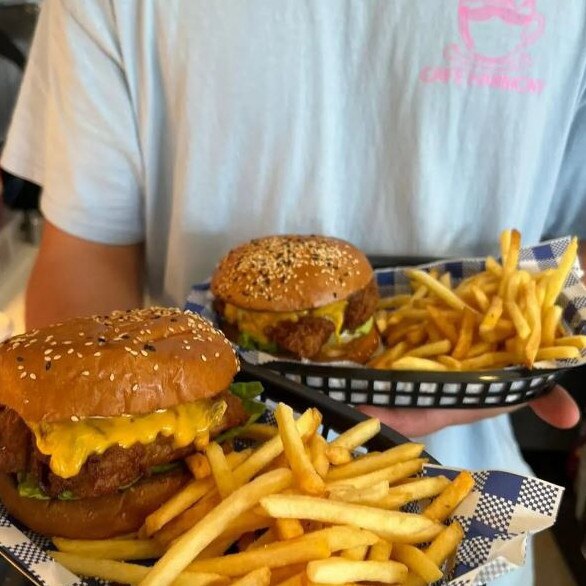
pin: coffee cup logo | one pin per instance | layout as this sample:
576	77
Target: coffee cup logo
496	34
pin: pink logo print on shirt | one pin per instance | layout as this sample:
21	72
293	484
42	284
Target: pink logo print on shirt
495	38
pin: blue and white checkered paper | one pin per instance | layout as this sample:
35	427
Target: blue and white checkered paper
392	281
497	517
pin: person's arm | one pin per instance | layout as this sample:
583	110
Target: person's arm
73	277
74	134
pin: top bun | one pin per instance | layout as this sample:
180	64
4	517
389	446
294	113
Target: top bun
131	362
290	273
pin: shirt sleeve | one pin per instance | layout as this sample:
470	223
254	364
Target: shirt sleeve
567	213
74	129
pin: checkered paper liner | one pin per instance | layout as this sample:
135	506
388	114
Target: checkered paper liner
357	384
497	517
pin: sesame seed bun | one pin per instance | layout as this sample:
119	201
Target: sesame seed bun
290	273
132	362
94	518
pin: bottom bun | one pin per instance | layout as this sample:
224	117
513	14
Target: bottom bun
92	518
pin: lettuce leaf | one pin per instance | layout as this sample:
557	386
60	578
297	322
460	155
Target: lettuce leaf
28	487
246	393
248	342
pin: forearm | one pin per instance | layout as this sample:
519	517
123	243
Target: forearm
74	277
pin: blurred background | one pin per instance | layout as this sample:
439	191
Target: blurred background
556	456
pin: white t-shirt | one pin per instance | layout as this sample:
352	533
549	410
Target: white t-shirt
405	126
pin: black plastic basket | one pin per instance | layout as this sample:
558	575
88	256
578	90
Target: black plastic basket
337	416
421	389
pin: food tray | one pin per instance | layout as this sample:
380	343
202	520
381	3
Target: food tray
419	389
494	542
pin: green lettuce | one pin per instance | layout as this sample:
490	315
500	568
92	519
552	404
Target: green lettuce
29	487
246	392
249	342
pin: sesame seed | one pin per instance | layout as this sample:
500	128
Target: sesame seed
204	358
86	373
135	388
47	359
188	347
70	351
57	357
89	344
79	355
217	355
33	376
23	375
74	418
20	367
156	367
47	352
144	352
112	377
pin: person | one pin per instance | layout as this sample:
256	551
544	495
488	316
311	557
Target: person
164	133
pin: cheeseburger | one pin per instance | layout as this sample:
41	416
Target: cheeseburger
305	296
97	414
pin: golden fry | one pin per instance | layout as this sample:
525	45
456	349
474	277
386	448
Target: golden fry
443	506
221	471
123	573
551	319
431	349
339	571
112	549
198	465
557	353
186	547
372	462
259	577
394	525
380	551
445	294
357	435
392	473
422	488
418	562
305	475
338	455
317	449
576	341
557	280
414	363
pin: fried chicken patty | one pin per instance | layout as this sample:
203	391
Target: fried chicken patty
306	336
101	474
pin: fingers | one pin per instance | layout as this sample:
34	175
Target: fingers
557	408
418	422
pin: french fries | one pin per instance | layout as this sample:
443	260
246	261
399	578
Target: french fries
251	521
340	571
124	573
502	316
114	549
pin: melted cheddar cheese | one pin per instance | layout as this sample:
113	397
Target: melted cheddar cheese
255	323
70	443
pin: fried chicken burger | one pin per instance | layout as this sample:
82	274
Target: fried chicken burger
304	296
97	414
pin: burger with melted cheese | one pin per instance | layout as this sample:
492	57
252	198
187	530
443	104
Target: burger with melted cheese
97	414
303	296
